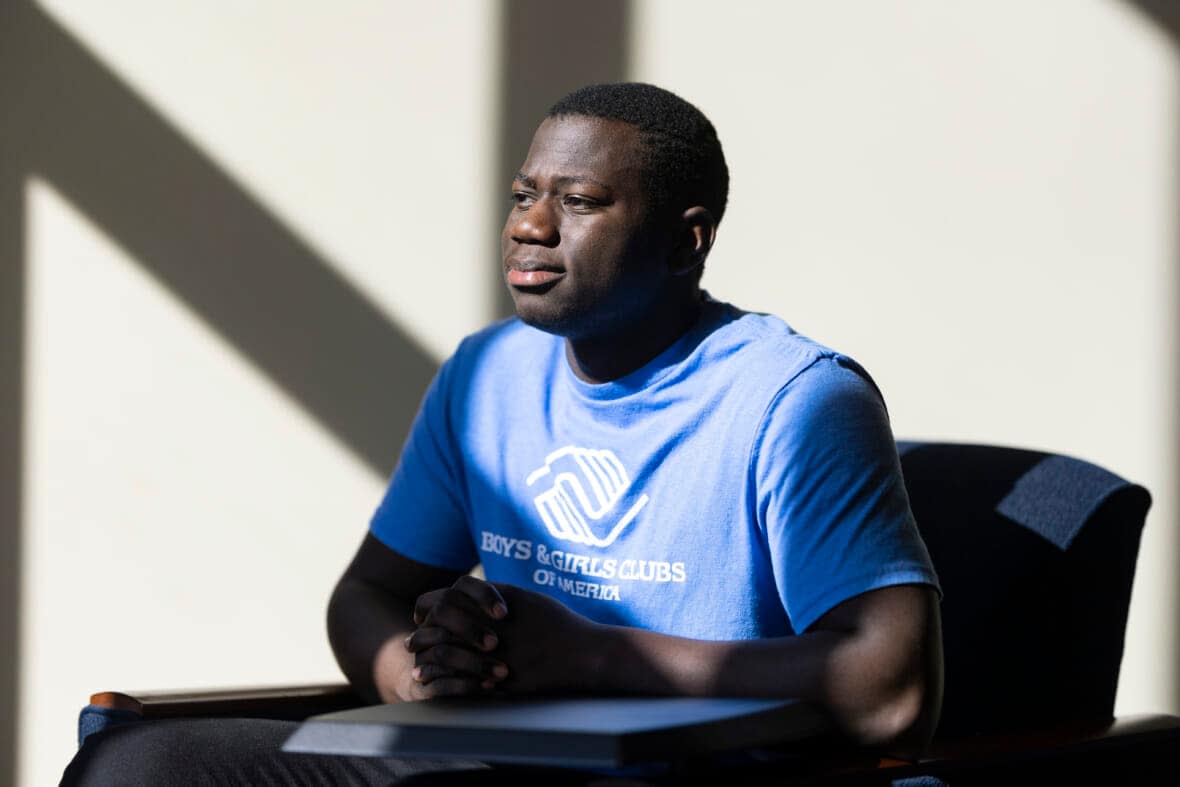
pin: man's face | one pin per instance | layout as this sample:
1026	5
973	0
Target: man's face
581	256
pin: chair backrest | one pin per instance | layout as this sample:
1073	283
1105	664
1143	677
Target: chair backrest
1035	553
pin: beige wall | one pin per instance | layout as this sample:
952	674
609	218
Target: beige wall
188	499
978	200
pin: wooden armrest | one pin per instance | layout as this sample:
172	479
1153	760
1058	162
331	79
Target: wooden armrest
279	702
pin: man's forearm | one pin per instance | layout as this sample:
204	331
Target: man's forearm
366	626
371	614
879	693
821	667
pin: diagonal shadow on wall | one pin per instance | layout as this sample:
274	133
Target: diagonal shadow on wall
1166	16
70	120
198	233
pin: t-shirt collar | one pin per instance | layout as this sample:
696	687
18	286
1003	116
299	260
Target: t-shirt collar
655	370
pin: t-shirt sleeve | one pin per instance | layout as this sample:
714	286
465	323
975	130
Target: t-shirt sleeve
830	496
424	513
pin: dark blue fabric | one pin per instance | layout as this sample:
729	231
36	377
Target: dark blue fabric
1057	495
95	718
177	752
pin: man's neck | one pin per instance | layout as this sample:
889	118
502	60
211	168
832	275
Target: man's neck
600	359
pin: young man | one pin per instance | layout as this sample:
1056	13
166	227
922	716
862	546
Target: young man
668	495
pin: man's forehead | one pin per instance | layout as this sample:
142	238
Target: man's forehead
583	147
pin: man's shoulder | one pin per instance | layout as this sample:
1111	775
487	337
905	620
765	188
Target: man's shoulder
762	351
762	344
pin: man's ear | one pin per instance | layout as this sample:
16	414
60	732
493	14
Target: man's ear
698	230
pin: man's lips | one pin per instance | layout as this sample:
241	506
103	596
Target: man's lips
532	273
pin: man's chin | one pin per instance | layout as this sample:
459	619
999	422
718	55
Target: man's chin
543	322
544	315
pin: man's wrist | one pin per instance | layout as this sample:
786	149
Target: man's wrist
599	659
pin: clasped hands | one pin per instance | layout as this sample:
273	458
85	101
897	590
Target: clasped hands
476	638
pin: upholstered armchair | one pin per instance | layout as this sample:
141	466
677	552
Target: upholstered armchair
1036	554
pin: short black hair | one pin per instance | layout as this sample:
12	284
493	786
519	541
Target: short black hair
684	163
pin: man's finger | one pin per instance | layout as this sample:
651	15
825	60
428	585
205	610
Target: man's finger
428	673
458	613
453	687
484	594
458	660
430	603
427	637
425	603
449	686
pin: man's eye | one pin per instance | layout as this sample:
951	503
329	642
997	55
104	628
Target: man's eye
521	199
578	203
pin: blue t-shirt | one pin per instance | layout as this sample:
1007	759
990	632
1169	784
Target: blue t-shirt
738	486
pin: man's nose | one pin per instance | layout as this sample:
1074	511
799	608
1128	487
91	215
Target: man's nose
536	225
